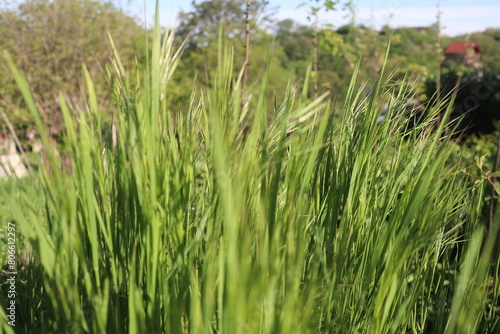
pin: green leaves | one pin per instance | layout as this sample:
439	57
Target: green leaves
327	5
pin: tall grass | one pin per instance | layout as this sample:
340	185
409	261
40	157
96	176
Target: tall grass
296	218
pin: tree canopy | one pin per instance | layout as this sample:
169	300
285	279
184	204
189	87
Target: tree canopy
51	40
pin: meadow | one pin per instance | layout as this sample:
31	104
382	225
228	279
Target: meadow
232	215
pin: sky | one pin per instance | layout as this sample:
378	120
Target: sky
457	16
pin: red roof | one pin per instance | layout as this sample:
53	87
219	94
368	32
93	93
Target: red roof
461	47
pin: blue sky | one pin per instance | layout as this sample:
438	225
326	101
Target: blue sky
458	16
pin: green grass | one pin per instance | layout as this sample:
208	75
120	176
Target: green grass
12	190
307	217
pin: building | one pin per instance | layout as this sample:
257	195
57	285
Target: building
467	52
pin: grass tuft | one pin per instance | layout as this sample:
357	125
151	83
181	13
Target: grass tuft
232	217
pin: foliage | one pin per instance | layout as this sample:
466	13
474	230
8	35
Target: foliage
50	41
203	21
204	24
489	41
477	97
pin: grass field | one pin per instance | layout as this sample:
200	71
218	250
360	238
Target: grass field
304	217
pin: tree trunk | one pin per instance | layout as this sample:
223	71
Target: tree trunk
315	54
246	61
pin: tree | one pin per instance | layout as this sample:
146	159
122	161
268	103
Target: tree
296	41
202	23
201	26
51	40
313	10
489	41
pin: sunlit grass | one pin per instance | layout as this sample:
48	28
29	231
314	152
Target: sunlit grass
308	217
